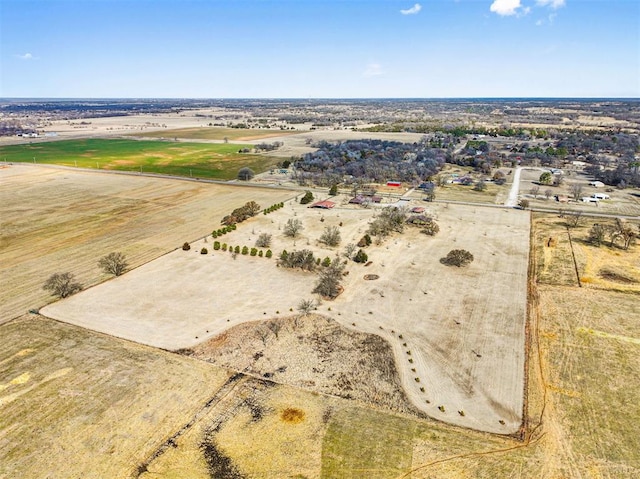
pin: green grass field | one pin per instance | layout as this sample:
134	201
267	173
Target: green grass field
217	161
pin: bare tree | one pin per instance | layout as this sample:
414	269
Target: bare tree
548	193
330	236
597	234
274	327
576	190
293	227
573	218
306	306
62	285
349	250
114	263
534	191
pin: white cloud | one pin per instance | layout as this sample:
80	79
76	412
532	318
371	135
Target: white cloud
413	10
26	56
551	3
505	7
373	70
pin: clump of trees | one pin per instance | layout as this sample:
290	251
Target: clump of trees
302	259
620	233
330	236
391	219
457	257
250	209
62	285
328	285
114	263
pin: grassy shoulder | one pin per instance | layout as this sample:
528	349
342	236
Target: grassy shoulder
200	160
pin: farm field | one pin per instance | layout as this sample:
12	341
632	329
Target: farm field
78	404
457	335
218	133
200	160
57	220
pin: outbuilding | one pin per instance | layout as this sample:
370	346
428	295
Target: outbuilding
325	205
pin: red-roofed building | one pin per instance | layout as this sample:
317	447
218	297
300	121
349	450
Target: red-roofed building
325	205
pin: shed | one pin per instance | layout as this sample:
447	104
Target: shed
394	183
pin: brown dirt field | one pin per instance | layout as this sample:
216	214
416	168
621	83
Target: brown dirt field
79	404
57	220
312	352
462	329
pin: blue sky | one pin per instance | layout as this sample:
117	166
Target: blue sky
319	49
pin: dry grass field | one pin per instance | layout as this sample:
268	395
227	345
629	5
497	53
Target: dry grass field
74	403
57	220
218	133
457	334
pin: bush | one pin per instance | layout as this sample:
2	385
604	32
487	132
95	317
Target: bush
260	254
224	246
330	236
245	174
216	245
254	252
245	250
334	190
186	246
236	249
293	227
431	228
204	251
457	257
268	254
307	198
326	262
264	240
360	257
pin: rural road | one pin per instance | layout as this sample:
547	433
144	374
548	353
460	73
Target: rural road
512	200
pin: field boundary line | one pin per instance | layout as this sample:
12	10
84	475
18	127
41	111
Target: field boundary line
573	255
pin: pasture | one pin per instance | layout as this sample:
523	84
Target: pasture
457	334
199	160
57	220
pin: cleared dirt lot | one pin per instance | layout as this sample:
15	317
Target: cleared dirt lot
57	220
457	334
74	403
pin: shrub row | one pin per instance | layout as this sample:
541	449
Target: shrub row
222	231
244	250
272	208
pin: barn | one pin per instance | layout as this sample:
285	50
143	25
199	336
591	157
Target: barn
325	205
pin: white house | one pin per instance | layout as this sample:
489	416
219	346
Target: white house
596	184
